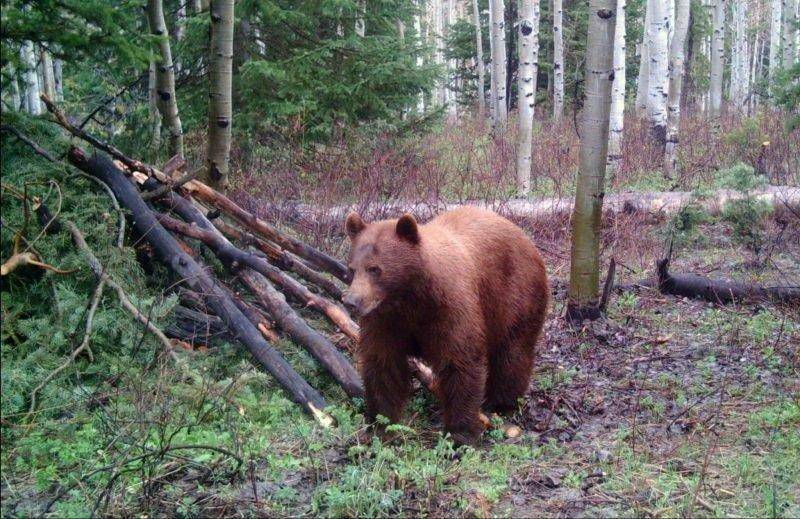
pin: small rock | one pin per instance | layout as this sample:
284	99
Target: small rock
601	456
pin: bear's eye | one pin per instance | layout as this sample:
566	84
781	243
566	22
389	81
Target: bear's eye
375	271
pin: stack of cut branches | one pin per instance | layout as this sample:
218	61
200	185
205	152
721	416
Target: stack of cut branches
172	212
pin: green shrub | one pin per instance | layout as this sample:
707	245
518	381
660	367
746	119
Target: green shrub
746	215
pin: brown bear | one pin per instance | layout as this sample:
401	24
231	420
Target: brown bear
466	292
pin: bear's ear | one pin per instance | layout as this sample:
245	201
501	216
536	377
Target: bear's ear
354	225
407	229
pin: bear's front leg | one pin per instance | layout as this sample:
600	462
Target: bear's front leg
387	380
461	388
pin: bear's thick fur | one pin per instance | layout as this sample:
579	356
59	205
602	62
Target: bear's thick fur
466	292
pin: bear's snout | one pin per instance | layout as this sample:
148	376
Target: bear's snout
351	302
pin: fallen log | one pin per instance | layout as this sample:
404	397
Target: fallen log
195	327
281	258
258	318
288	320
254	277
656	205
203	230
720	291
260	227
201	281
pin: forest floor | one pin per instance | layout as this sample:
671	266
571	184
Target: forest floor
666	407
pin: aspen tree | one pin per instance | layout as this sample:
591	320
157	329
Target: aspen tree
644	65
165	78
476	19
658	80
616	121
717	56
558	59
775	38
584	274
677	53
28	58
220	94
526	86
499	62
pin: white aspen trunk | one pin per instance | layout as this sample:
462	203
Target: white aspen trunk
401	29
558	60
449	95
361	11
48	78
180	29
28	57
775	38
585	252
16	98
789	36
658	80
220	94
197	6
706	50
155	115
739	56
58	78
492	77
476	20
616	122
438	38
165	78
677	53
419	61
644	65
717	56
499	62
526	86
752	73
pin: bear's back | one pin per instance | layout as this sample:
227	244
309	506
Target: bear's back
495	257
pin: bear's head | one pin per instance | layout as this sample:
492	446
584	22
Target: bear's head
384	261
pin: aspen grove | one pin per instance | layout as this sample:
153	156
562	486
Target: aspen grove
189	302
